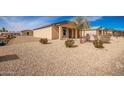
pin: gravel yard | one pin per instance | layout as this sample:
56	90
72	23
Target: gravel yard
33	58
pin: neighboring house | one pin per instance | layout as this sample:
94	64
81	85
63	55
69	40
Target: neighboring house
58	30
93	30
98	30
119	32
27	33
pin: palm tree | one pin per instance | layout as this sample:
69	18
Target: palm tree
81	24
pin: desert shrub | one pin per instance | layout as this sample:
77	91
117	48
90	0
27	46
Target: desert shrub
11	36
44	40
98	44
69	43
2	42
87	37
8	37
105	38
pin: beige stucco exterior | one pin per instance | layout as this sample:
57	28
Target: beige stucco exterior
43	32
65	30
60	30
55	32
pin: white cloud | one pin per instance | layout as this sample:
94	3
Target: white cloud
94	18
90	18
18	23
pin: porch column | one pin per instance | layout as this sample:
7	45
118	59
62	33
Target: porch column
102	32
76	34
97	32
67	31
72	33
60	32
106	32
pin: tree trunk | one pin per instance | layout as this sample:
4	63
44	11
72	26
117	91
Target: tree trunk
83	33
82	40
80	34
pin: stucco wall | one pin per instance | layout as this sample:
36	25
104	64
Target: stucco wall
55	32
43	33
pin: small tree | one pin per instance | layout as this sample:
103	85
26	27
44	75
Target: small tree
78	24
4	30
81	24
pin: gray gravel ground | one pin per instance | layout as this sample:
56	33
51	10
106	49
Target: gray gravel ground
55	59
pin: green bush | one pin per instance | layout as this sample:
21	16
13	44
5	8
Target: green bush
44	40
69	43
2	42
98	44
11	37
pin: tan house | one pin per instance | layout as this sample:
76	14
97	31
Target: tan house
98	30
58	30
27	33
66	29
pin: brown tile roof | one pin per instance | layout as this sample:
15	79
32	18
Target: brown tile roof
62	22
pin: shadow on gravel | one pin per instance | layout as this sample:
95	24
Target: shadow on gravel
8	57
74	46
49	43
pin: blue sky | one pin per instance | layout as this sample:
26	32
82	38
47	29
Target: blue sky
18	23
